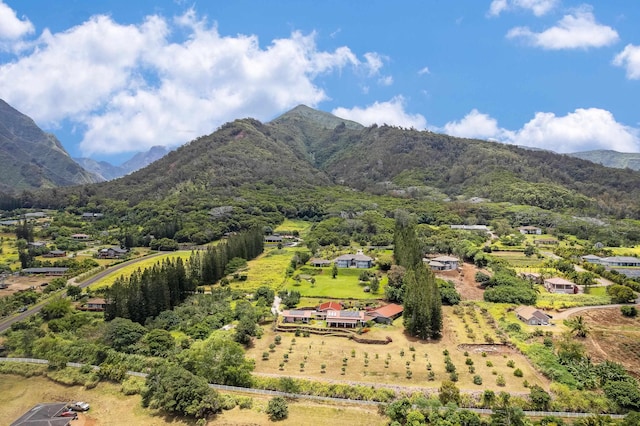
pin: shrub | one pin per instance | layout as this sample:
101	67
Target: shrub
511	363
477	380
500	381
277	409
629	311
517	372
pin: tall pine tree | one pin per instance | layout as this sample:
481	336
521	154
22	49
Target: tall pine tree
422	305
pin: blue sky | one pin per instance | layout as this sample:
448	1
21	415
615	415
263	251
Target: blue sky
110	78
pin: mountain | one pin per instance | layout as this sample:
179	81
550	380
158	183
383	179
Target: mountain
107	171
33	159
608	158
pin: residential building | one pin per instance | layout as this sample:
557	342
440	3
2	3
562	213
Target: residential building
560	285
532	316
530	230
444	263
387	313
358	260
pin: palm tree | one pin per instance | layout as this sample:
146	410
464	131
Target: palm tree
578	326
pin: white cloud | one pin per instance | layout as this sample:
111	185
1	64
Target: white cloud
391	112
424	70
629	58
581	130
386	80
573	31
477	125
12	27
538	7
129	87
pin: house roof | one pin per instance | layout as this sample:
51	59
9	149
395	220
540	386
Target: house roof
558	280
334	306
528	312
434	263
44	270
297	313
591	256
357	257
387	311
624	259
318	260
530	228
96	301
44	414
446	259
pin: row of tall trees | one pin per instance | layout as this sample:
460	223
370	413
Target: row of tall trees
422	304
146	293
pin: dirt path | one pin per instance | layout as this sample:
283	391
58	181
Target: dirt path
566	314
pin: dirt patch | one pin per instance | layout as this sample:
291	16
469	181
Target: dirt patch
465	281
18	283
613	337
488	349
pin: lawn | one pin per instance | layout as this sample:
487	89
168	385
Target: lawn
517	259
554	301
367	363
289	226
9	252
268	269
142	265
110	407
346	285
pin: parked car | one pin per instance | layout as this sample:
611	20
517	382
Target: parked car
23	309
79	406
69	413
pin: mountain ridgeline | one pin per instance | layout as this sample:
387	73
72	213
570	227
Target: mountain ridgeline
31	158
306	150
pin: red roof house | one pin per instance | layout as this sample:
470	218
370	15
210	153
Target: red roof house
387	313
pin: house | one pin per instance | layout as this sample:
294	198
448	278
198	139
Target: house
49	414
319	263
591	258
329	306
296	315
37	244
80	237
532	316
358	260
45	271
545	242
273	239
387	313
35	215
530	230
620	261
349	319
55	253
96	304
91	216
112	253
533	277
560	285
444	263
483	228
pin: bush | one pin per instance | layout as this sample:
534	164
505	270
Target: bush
629	311
517	372
277	409
132	386
477	380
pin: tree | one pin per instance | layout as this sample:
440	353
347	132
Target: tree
74	291
374	284
175	390
159	342
334	271
539	398
219	361
578	326
529	250
621	293
277	408
449	392
56	308
505	414
122	334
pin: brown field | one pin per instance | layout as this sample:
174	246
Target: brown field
17	283
330	351
110	407
465	281
613	337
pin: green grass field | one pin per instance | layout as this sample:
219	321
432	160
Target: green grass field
142	265
517	259
346	285
266	270
9	252
289	225
553	301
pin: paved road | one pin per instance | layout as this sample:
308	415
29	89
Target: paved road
7	322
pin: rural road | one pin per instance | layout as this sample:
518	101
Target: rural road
565	314
7	322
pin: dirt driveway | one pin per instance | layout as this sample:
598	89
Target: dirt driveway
465	281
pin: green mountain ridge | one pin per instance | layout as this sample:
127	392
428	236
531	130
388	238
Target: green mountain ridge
34	159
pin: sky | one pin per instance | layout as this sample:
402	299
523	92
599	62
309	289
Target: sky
110	77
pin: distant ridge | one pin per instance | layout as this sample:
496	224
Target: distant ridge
31	158
107	171
608	158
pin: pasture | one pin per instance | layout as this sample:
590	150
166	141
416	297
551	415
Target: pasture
143	264
346	285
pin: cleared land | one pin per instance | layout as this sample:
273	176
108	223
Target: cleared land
142	264
366	362
346	285
110	407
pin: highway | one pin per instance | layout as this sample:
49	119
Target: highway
6	323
